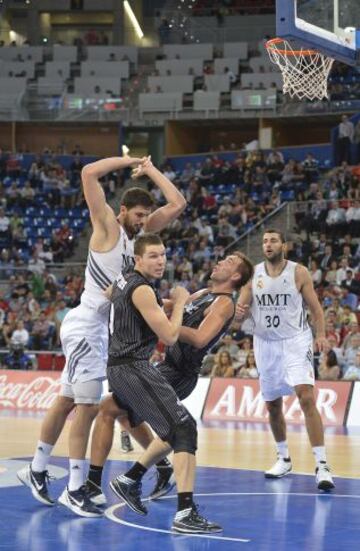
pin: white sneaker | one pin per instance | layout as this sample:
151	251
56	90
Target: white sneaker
79	503
281	468
324	479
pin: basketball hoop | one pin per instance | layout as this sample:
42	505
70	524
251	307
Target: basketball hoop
305	72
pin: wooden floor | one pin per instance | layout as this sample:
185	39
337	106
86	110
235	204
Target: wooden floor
249	447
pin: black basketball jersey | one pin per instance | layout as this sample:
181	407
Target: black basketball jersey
185	356
132	338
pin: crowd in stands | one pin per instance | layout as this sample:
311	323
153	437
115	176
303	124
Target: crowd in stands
222	8
326	240
225	198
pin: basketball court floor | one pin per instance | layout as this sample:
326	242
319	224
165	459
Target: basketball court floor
256	513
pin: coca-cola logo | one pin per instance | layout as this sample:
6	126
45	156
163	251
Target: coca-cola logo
28	391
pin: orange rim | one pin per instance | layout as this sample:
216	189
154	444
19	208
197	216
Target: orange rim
272	45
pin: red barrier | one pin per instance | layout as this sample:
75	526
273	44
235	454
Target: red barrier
241	400
28	390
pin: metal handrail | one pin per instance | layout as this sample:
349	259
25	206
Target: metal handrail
261	222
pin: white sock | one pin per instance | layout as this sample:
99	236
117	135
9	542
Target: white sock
77	474
41	457
282	449
319	453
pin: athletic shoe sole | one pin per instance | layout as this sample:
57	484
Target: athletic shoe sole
64	500
269	475
25	478
184	530
118	493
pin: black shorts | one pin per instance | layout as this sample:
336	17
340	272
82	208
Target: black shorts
144	393
182	382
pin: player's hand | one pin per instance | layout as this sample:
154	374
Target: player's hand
142	168
179	294
134	161
241	311
322	344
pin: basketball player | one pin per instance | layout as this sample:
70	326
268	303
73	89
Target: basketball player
84	331
277	296
208	314
139	321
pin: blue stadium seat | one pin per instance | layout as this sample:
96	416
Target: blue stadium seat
288	195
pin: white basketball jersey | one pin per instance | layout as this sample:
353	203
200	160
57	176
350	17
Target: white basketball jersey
277	308
103	268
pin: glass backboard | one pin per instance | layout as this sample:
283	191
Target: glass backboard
329	26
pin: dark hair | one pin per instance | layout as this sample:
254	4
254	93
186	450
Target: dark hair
246	269
331	359
279	233
135	197
145	239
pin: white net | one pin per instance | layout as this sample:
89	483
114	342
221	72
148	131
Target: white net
305	72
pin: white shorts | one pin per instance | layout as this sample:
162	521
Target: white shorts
284	364
83	392
84	336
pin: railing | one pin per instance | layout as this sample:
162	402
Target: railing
248	233
293	109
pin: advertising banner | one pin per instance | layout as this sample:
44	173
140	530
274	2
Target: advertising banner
353	419
28	390
241	400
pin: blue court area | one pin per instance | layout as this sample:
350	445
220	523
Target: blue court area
257	514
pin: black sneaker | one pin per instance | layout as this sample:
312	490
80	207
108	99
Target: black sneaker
188	521
79	503
95	493
130	492
165	482
37	482
125	442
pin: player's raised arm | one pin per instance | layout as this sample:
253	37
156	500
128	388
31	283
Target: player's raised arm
218	315
166	329
176	202
306	288
244	302
93	191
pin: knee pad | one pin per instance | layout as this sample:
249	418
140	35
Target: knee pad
184	436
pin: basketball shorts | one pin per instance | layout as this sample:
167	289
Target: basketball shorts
284	364
144	393
83	392
84	338
182	382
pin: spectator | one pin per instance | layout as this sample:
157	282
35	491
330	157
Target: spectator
353	371
5	230
350	283
223	365
329	369
352	346
345	138
227	345
316	273
249	370
41	333
60	313
327	258
20	336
